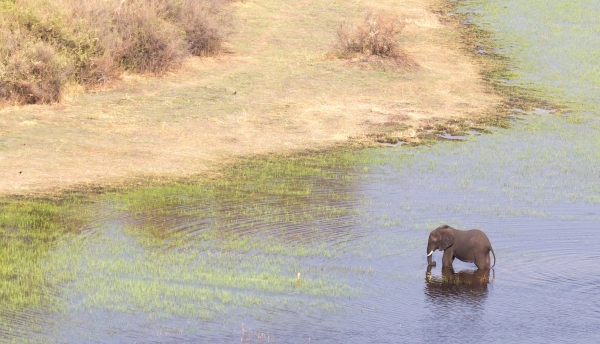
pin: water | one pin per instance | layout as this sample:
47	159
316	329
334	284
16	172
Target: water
219	262
331	248
553	45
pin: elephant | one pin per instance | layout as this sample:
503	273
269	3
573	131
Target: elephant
471	246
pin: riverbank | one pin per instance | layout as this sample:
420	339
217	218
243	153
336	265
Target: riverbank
275	90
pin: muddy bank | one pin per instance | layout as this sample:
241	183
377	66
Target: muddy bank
275	91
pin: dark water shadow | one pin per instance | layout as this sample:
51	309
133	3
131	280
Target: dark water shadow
458	299
467	286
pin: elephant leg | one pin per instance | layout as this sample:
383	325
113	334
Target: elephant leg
447	258
482	260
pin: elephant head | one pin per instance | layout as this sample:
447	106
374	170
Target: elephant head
439	239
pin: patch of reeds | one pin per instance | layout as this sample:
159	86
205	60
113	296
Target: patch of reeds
45	45
373	40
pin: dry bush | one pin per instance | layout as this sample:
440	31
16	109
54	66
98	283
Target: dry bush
148	43
155	35
375	39
205	25
94	52
34	74
91	41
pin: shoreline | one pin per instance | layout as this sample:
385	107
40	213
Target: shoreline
275	93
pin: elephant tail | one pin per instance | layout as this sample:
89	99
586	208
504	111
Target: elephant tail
491	249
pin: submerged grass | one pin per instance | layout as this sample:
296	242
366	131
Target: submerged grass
112	275
238	237
259	236
29	231
566	72
479	41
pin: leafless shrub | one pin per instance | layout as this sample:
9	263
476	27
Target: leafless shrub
205	25
375	39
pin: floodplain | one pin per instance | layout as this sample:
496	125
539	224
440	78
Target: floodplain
330	246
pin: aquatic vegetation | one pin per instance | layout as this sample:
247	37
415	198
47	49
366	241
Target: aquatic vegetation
553	43
111	275
257	205
29	230
262	236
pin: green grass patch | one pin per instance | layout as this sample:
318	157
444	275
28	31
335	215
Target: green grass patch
29	231
256	237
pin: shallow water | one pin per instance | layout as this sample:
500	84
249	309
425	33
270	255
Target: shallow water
553	45
328	249
220	263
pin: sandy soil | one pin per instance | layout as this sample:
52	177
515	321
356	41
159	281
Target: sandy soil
274	90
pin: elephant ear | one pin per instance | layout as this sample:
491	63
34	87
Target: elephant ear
447	239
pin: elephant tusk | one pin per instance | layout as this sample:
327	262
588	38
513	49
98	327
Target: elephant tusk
430	253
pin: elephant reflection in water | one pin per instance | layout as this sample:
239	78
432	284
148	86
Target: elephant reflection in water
460	296
467	283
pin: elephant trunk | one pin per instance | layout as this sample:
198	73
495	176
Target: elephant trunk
430	250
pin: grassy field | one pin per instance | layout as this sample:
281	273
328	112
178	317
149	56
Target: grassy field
274	88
